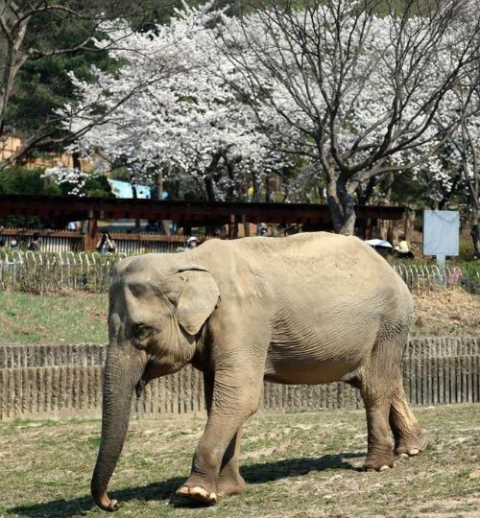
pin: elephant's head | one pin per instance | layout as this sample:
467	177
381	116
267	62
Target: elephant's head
155	316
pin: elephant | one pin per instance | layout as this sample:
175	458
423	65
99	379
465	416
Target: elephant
305	309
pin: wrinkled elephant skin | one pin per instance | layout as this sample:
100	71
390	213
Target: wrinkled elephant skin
310	308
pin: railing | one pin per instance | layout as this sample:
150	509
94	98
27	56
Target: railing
75	241
423	276
41	272
54	241
37	272
66	381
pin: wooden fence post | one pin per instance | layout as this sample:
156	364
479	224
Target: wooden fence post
90	237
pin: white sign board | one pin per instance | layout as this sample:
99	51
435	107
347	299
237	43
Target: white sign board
441	229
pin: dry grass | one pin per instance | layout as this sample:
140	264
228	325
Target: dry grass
452	312
80	317
296	465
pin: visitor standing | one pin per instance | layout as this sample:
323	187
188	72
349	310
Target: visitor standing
35	244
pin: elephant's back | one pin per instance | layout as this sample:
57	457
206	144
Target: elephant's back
333	267
329	254
328	264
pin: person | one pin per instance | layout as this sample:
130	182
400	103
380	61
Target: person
250	192
192	242
403	245
264	230
72	225
14	245
152	226
106	244
34	246
402	250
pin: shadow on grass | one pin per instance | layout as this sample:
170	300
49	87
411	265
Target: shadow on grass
253	474
270	471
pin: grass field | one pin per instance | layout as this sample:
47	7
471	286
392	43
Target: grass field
79	317
296	465
75	317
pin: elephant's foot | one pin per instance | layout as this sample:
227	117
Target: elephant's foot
199	489
379	460
230	484
411	446
198	494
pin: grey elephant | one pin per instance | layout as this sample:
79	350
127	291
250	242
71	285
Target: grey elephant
306	309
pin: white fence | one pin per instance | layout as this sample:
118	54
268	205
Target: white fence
40	272
49	272
418	276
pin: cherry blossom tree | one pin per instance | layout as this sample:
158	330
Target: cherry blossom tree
456	168
169	109
357	84
350	91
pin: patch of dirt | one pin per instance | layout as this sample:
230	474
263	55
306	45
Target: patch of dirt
450	508
442	312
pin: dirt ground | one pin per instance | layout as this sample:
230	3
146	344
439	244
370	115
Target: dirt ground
441	312
295	465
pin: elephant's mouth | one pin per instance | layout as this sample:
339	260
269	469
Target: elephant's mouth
139	388
146	377
152	370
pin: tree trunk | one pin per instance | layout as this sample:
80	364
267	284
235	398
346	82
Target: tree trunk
76	162
475	208
166	224
365	194
159	184
446	196
13	60
137	220
209	174
209	189
342	207
246	227
387	227
473	181
409	225
122	373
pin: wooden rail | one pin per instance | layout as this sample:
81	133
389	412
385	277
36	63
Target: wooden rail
66	381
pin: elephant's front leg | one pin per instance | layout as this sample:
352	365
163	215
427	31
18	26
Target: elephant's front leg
229	480
216	456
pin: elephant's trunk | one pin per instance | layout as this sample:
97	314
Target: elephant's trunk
123	370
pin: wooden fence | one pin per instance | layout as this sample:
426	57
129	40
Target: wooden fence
66	381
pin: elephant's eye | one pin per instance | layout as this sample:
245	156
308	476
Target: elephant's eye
141	333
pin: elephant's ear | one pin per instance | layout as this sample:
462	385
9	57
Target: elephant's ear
197	300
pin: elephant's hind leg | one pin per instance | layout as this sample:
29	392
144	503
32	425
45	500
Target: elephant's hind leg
380	449
409	437
377	382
